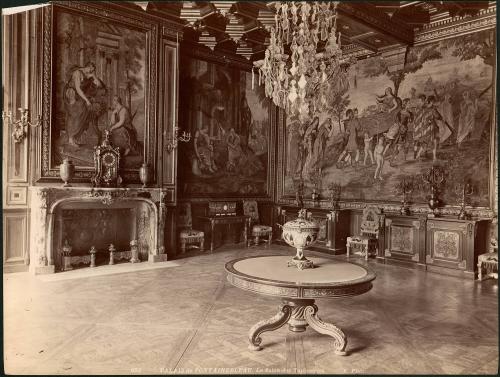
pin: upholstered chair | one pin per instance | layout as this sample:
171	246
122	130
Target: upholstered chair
187	236
250	208
487	264
367	242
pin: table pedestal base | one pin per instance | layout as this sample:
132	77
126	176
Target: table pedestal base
298	313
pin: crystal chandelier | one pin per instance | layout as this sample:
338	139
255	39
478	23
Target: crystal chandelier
303	70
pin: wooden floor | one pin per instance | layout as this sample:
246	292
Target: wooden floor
188	319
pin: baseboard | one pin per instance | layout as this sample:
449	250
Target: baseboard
451	272
15	267
402	263
157	258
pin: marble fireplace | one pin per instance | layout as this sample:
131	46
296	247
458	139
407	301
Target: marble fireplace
85	217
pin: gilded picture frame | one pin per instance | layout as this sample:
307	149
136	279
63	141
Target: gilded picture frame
264	115
99	66
483	201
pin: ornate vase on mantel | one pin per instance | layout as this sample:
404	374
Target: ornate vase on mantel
145	174
66	171
300	233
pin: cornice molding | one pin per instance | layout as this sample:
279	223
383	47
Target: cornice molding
377	19
355	51
203	52
456	26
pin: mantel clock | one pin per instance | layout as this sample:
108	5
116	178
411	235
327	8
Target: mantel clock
107	164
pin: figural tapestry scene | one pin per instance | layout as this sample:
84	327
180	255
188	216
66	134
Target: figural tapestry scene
394	124
100	85
230	125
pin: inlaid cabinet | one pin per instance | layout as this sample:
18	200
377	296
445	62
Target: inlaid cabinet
404	239
453	246
442	244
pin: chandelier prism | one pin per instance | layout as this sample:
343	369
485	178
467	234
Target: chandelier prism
303	70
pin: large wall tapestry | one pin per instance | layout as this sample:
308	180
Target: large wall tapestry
230	128
99	70
437	110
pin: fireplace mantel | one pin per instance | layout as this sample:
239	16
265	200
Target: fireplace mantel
47	203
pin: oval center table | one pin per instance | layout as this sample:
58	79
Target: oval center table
298	289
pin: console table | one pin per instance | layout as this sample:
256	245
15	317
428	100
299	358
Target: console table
269	275
226	220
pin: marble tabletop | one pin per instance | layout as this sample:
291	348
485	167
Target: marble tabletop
270	275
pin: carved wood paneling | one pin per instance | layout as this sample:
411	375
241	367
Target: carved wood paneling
169	74
15	228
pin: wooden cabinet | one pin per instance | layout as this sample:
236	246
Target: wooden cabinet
404	239
337	230
333	227
454	245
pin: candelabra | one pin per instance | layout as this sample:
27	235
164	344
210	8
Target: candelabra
335	189
316	178
434	177
20	126
299	193
405	187
463	191
173	142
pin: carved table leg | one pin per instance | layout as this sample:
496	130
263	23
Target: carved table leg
256	240
340	342
212	235
271	324
246	232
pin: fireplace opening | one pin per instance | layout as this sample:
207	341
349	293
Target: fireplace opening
80	229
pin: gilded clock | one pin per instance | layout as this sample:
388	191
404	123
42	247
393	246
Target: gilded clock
106	163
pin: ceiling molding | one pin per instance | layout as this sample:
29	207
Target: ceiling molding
373	26
371	16
456	27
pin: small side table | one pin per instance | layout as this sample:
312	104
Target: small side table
226	220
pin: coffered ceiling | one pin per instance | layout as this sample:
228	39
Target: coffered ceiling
369	27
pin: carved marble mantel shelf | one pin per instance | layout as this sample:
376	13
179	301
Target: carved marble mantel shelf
46	201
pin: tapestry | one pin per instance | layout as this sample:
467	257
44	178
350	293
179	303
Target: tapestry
390	124
100	70
229	125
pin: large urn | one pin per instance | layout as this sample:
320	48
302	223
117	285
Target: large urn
300	233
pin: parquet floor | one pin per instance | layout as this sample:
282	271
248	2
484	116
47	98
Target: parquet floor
188	319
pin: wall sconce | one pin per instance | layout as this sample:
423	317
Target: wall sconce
21	125
172	143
